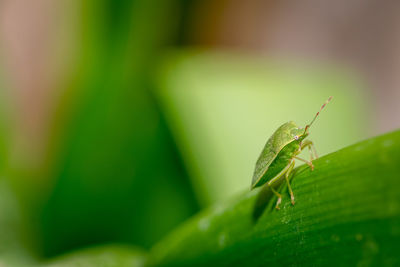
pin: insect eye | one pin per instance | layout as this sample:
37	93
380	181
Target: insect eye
296	137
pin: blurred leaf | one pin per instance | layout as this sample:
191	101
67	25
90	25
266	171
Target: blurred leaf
12	250
104	256
347	212
222	107
117	175
4	122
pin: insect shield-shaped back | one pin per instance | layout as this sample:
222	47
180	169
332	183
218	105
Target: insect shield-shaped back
277	159
281	137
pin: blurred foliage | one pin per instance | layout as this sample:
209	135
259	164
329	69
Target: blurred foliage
104	256
222	107
4	124
118	177
12	249
347	213
112	173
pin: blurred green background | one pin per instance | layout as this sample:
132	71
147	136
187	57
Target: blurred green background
121	119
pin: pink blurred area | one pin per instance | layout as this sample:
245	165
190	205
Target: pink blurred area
36	43
26	30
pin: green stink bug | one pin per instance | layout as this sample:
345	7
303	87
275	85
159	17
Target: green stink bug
277	159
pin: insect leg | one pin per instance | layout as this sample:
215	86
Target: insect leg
310	145
313	149
287	181
311	154
278	202
309	163
276	179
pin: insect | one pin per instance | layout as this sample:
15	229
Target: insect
277	159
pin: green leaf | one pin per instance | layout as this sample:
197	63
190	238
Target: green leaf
105	256
347	212
112	156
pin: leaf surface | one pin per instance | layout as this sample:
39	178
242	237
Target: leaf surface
347	212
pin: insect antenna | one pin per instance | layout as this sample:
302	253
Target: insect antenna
316	115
